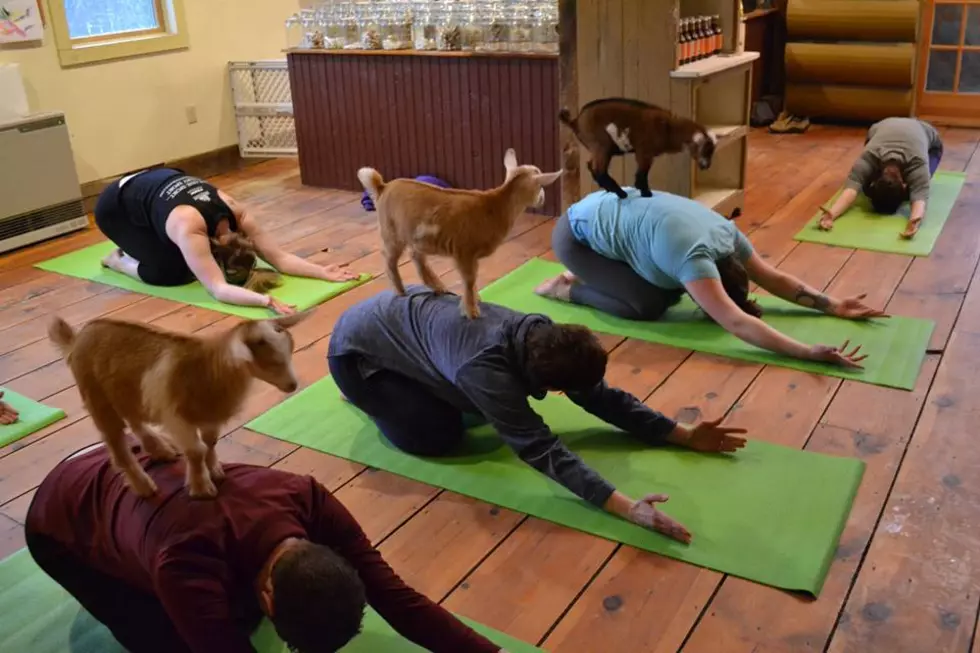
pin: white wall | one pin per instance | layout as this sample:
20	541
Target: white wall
129	113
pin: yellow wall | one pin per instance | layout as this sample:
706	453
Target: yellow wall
129	113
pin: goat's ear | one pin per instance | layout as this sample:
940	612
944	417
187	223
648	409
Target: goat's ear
239	346
546	179
510	159
289	321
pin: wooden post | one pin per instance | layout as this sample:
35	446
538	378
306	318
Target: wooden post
568	98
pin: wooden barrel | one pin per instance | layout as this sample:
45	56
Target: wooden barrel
847	102
891	21
850	63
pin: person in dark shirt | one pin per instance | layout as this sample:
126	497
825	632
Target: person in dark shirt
421	371
171	228
175	575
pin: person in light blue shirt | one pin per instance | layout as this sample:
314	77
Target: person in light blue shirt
636	257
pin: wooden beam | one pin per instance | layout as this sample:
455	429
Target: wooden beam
568	99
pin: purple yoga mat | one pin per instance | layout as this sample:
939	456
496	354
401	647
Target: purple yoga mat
368	204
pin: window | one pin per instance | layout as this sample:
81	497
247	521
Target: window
87	31
949	62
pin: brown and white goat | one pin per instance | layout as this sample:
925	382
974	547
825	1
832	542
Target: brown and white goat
139	375
466	225
616	126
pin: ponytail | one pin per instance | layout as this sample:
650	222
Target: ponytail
236	256
735	280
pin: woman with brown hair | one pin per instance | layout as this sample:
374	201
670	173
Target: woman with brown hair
171	228
634	258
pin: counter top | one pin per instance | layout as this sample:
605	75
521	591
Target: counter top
462	54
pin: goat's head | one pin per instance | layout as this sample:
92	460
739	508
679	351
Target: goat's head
531	179
266	346
702	147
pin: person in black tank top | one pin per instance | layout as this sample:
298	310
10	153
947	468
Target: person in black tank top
171	228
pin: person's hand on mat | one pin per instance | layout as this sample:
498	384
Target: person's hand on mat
644	513
912	229
826	221
838	355
708	437
853	308
280	307
338	273
7	413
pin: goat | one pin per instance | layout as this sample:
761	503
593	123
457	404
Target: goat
466	225
616	126
140	375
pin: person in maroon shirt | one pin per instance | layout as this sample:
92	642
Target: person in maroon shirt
172	575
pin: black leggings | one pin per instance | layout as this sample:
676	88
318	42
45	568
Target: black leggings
160	263
137	620
405	411
607	285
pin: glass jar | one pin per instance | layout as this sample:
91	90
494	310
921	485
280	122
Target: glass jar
497	32
424	27
369	19
334	33
396	27
307	18
448	37
521	27
351	25
294	32
470	29
545	32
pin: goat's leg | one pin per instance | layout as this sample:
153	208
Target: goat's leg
470	306
599	167
210	438
429	278
392	253
155	445
113	430
643	164
197	476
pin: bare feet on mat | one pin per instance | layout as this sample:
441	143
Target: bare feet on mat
838	355
558	288
912	229
7	413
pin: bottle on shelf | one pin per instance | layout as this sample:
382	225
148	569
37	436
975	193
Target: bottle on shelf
682	43
705	36
718	37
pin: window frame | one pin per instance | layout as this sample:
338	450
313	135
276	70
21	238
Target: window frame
953	107
169	36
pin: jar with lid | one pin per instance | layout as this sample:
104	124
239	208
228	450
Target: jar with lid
424	26
544	36
521	27
496	32
470	28
448	35
350	21
369	18
307	19
334	27
294	32
395	23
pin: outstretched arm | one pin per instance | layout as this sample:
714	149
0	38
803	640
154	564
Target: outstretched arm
788	287
277	257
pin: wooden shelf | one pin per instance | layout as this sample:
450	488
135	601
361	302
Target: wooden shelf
713	65
451	54
728	134
722	200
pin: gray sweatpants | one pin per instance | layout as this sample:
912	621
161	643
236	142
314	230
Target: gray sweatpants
607	285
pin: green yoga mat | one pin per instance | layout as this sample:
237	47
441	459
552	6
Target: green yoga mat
38	616
303	293
861	228
33	417
770	514
896	346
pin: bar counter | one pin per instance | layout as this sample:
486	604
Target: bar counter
408	113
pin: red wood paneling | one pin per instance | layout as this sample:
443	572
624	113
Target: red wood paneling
452	117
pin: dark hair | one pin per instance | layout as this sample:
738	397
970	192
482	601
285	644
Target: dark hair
236	256
565	356
318	599
736	282
887	191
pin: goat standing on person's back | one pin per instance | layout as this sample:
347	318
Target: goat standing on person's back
139	375
613	127
467	225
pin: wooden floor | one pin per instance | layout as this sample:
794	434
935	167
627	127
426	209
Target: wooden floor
903	578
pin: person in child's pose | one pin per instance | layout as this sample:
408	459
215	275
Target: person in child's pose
899	159
634	258
422	371
177	575
170	228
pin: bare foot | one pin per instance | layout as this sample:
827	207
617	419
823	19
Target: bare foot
559	288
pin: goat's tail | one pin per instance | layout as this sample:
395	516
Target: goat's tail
372	181
62	335
566	117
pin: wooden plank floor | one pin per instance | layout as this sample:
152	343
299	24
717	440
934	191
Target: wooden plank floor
903	578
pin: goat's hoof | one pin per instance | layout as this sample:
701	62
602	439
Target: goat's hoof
217	472
646	193
162	451
471	312
143	486
203	489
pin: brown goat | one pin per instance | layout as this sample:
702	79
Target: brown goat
466	225
616	126
139	375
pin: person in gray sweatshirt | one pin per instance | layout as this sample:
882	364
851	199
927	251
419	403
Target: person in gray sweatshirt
899	159
421	371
